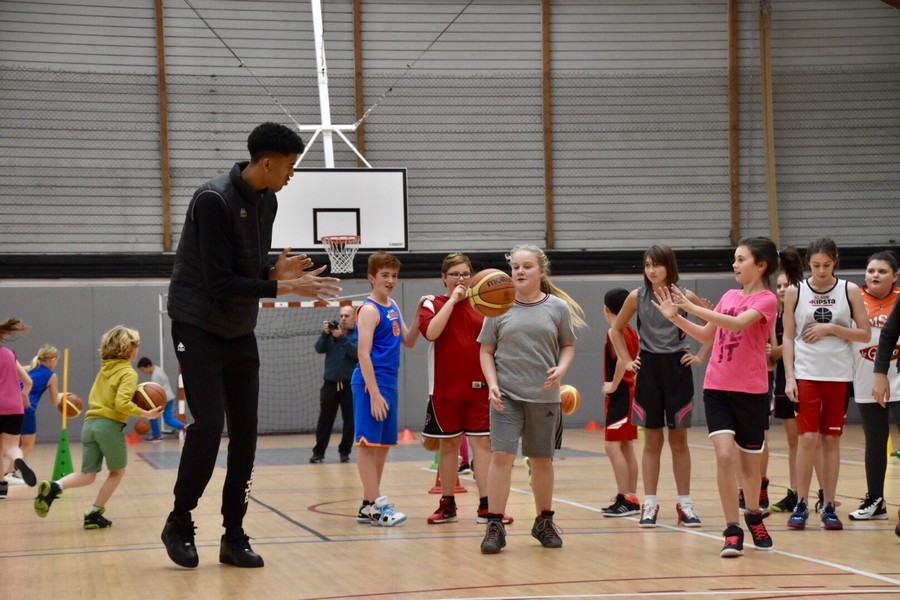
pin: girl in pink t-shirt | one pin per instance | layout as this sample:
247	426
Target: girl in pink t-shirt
14	387
736	389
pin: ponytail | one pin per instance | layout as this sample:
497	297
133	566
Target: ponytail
791	264
44	355
548	286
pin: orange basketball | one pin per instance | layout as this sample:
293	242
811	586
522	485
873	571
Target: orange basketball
149	395
73	404
142	426
570	398
491	292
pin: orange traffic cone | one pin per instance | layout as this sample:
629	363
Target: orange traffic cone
407	437
437	489
593	426
133	438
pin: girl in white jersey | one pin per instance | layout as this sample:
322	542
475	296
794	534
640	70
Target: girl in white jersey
880	294
819	319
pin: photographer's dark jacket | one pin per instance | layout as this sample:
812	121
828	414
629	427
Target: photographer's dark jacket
222	261
340	355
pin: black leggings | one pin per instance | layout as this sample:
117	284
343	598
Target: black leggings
877	428
221	382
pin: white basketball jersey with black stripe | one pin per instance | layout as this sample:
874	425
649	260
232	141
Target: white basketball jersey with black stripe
828	359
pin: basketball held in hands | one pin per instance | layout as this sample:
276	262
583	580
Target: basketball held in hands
149	395
73	405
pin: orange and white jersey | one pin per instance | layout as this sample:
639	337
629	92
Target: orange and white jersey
877	311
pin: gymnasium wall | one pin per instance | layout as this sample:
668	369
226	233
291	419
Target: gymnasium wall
639	120
75	315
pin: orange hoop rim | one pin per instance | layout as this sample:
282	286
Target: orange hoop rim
340	239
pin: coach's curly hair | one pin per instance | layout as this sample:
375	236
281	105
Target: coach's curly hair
273	138
118	342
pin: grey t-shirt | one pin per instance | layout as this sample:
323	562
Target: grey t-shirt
527	339
658	334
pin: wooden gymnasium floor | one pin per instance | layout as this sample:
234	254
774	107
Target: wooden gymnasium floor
302	518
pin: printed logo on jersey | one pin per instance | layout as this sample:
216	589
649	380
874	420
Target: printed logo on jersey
822	315
728	340
243	213
180	347
870	352
878	320
394	317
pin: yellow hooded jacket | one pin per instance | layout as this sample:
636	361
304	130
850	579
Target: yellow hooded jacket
112	392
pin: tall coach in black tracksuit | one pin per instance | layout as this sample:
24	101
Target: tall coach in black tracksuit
221	271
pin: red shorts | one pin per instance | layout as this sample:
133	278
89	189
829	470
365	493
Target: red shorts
445	418
618	415
823	406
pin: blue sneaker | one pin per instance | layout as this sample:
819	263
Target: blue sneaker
830	519
799	516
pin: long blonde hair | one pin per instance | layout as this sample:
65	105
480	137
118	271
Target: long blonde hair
43	356
547	286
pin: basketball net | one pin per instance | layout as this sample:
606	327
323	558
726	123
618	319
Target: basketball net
341	249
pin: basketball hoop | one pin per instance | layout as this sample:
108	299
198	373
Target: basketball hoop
341	249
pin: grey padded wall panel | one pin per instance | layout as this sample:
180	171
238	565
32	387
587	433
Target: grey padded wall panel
640	123
836	81
214	101
465	120
80	144
80	35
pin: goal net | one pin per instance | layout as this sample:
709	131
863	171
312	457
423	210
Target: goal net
290	370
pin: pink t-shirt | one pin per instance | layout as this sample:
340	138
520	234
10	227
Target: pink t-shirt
738	359
10	392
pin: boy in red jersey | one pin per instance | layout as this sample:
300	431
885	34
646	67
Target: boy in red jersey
457	392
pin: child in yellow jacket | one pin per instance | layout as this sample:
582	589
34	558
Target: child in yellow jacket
103	434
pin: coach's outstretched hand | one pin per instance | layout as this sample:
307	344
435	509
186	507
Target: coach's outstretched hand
311	285
290	267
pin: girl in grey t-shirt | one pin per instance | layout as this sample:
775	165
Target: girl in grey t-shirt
525	354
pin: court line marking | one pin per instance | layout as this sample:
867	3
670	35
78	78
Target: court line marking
810	559
776	593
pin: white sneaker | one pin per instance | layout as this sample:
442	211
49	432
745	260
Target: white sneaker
687	514
649	512
871	509
15	479
386	515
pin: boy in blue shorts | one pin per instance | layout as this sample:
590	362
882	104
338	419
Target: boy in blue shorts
104	423
381	331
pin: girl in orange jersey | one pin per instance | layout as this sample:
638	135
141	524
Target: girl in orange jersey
879	295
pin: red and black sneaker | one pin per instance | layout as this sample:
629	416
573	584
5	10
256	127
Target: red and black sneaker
445	513
761	538
734	542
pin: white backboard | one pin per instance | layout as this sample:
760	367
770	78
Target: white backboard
370	203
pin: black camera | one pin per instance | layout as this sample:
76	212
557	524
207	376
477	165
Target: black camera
334	325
